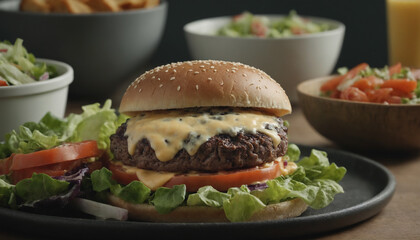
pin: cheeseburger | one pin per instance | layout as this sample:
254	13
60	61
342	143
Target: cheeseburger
206	128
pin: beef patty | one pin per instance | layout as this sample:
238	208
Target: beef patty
220	152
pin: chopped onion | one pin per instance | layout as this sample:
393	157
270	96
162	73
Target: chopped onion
100	210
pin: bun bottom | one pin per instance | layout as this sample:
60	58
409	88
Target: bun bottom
185	214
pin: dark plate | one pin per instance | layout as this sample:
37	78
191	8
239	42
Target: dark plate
368	188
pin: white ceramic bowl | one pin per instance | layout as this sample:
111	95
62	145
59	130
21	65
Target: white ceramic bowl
30	102
287	60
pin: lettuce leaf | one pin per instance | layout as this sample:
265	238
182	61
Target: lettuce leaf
167	199
40	186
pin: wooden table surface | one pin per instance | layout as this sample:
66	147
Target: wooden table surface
400	219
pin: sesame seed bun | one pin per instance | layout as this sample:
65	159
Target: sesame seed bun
203	84
148	213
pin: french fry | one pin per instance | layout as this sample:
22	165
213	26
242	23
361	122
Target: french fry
35	6
84	6
69	6
151	3
131	4
104	5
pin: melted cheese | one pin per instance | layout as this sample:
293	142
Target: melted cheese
153	179
170	131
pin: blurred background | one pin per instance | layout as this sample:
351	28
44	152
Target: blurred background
365	38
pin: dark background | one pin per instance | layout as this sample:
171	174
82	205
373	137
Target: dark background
365	38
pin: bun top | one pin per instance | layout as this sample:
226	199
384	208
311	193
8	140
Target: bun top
204	84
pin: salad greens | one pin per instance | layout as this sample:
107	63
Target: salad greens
17	66
249	25
95	123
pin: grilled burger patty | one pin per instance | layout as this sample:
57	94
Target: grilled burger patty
220	152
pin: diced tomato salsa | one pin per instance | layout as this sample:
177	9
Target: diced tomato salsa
388	85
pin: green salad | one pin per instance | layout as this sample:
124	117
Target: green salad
249	25
18	66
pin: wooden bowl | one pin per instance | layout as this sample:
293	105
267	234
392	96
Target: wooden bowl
368	126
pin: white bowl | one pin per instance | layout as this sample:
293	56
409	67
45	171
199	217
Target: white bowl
30	102
288	60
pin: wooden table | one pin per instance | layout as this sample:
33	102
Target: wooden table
400	219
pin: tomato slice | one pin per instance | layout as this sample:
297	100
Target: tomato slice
367	83
5	165
380	95
222	181
403	85
53	170
3	83
332	84
354	94
394	69
120	175
62	153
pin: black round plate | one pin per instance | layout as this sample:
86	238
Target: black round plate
368	188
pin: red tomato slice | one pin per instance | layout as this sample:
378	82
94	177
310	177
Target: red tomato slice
5	165
120	175
379	95
222	181
332	84
62	153
403	85
3	83
354	94
394	69
53	170
368	83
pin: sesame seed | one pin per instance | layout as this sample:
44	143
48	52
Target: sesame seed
158	79
160	85
209	79
196	87
233	71
244	74
221	84
190	70
167	70
153	77
203	69
214	70
178	88
195	73
139	89
174	70
201	66
135	86
227	70
172	78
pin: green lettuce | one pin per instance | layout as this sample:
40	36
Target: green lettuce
40	186
102	182
95	123
167	199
